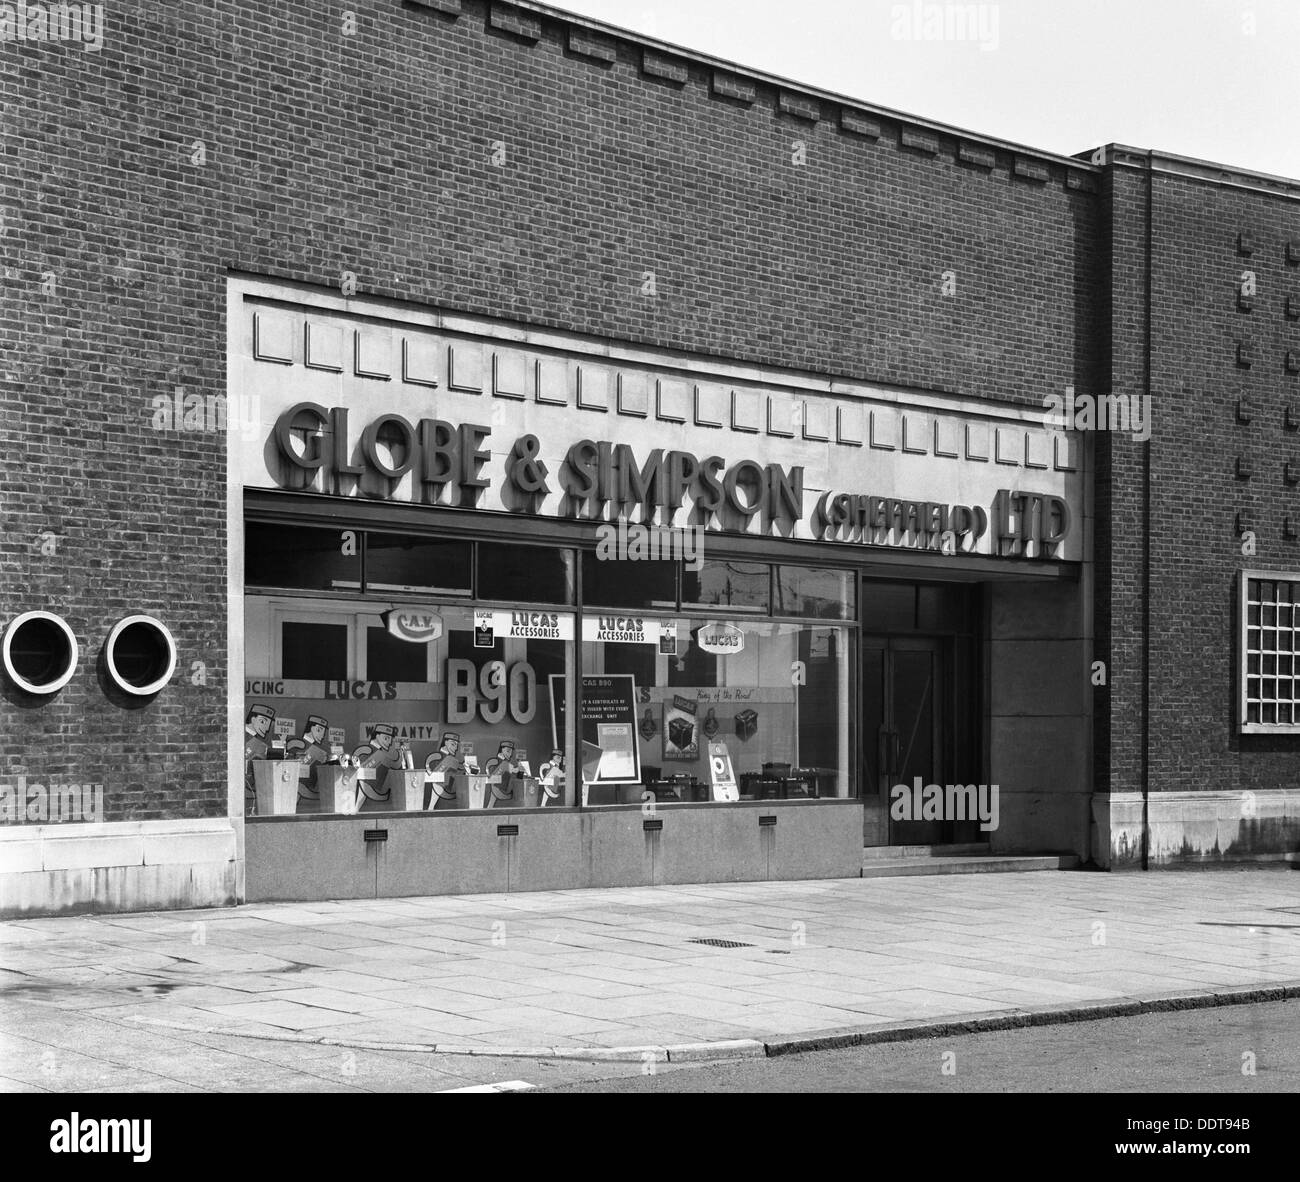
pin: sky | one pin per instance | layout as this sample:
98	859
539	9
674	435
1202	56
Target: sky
1215	80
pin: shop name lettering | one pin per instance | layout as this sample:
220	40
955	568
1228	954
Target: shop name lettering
593	475
1026	524
600	480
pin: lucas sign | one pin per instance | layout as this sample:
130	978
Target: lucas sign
720	639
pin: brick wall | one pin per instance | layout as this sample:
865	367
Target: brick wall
257	136
1119	544
1196	492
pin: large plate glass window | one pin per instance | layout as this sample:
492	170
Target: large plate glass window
331	685
738	586
821	592
726	708
397	697
411	563
302	557
650	584
524	574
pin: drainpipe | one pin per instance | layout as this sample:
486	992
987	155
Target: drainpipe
1146	537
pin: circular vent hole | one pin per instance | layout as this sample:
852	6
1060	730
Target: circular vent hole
40	652
141	655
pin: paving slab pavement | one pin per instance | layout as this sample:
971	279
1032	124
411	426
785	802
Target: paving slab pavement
243	998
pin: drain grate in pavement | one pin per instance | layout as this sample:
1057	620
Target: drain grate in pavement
715	943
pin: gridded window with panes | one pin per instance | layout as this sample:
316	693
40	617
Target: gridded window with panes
1270	652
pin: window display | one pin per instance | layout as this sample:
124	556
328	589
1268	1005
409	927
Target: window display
357	702
610	756
784	688
434	714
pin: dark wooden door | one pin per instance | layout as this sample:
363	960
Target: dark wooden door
905	697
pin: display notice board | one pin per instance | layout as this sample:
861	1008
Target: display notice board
722	774
608	736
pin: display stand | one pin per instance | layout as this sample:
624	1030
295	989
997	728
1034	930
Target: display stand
405	789
337	788
275	782
477	787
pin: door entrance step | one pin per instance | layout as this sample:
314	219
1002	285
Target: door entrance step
899	861
893	852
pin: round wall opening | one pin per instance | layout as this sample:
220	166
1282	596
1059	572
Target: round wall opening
40	652
140	654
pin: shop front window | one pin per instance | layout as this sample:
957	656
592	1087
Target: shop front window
392	658
740	586
373	722
400	562
524	574
314	649
814	591
301	557
373	703
628	584
732	708
394	672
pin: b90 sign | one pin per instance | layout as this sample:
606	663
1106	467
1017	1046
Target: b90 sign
491	694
